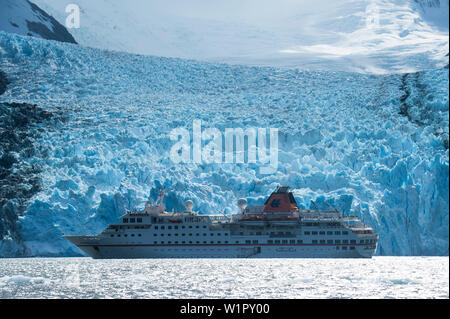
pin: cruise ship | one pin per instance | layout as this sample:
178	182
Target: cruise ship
278	229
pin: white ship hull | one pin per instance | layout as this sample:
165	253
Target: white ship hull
98	250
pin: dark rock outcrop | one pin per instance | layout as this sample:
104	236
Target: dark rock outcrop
416	103
3	82
21	125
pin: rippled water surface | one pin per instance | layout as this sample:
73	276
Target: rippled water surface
379	277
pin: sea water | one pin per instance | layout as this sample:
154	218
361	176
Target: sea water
379	277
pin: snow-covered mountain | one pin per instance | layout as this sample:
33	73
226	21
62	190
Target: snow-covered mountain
368	36
26	18
85	132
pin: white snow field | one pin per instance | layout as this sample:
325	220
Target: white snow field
375	146
366	36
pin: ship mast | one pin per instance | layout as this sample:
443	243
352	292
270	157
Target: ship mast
162	194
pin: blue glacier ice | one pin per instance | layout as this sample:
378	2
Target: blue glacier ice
375	146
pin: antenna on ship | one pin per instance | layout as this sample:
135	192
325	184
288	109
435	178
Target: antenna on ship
315	206
162	194
334	208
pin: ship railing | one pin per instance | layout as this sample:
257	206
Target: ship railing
282	235
357	226
254	210
351	218
363	232
322	215
321	218
219	217
352	221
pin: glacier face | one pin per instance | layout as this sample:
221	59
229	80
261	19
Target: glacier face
375	146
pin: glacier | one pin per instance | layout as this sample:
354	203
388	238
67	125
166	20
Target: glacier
375	146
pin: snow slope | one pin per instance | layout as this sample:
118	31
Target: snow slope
372	145
434	12
367	36
26	18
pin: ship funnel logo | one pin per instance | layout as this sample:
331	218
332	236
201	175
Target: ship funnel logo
235	145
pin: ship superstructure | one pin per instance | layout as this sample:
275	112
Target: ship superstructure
278	229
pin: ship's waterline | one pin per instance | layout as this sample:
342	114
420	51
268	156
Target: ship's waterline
279	229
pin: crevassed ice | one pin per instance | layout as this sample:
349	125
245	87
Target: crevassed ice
373	146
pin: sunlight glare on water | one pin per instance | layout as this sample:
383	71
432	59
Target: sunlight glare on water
379	277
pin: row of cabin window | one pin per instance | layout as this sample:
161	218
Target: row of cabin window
321	224
126	235
305	225
323	233
306	233
205	242
176	227
190	234
275	226
191	242
116	227
257	233
132	220
284	241
337	247
139	220
345	247
322	241
260	233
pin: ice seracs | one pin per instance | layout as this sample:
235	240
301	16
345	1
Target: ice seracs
343	141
